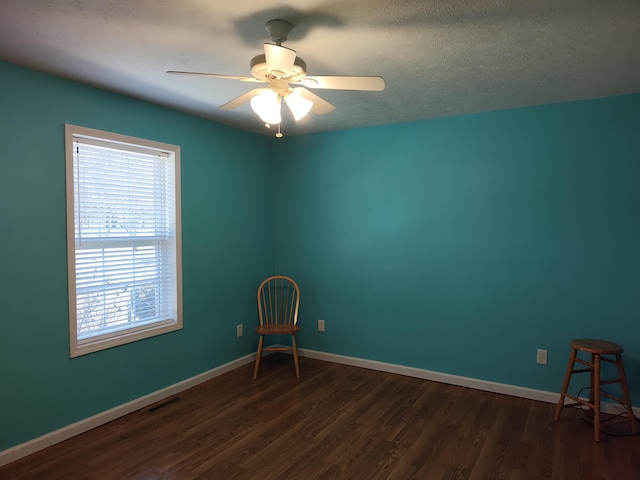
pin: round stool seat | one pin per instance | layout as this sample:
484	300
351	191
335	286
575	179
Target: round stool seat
601	347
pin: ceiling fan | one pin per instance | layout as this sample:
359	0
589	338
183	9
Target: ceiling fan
288	82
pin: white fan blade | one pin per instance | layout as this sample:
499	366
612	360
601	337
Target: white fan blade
241	100
279	59
320	106
215	75
371	84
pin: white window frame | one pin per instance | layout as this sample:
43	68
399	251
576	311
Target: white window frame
84	344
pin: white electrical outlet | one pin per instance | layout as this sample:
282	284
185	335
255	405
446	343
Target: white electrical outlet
542	356
239	330
321	325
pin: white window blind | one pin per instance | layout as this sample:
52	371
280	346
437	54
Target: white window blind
125	241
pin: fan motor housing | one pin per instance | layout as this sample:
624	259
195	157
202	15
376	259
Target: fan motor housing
260	71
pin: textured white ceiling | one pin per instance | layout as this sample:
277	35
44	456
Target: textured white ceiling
438	57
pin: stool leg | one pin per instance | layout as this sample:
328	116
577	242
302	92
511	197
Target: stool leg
565	384
625	394
595	394
591	379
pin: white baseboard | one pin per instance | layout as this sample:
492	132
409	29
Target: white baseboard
485	385
40	443
22	450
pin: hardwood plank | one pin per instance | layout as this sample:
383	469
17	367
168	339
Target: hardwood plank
338	422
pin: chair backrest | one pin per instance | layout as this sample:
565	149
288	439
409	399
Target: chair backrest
278	301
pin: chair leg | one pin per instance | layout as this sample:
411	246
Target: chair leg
258	357
625	394
565	384
596	395
295	355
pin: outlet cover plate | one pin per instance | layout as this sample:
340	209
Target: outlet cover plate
541	357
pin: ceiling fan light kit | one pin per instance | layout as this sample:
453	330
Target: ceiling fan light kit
280	67
268	104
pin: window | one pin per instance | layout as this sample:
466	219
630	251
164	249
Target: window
123	239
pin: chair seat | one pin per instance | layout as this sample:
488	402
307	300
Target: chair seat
277	329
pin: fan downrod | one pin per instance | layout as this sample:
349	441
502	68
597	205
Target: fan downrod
278	30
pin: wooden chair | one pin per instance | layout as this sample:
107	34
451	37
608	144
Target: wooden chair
598	350
278	303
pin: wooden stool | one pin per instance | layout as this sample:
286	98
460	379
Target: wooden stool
597	348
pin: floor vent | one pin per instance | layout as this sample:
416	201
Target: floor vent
164	404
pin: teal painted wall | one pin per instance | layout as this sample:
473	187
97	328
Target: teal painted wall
228	243
462	245
457	245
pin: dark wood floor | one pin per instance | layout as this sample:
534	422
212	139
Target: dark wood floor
337	422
